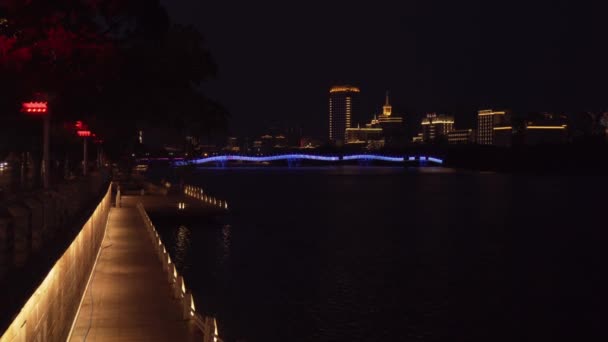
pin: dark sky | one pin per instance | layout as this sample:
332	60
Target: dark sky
278	59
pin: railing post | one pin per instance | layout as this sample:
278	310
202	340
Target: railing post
165	260
171	273
179	288
187	306
118	196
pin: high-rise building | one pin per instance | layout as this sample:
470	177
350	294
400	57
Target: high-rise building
494	127
343	102
435	126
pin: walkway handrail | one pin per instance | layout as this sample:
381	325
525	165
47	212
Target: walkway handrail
206	324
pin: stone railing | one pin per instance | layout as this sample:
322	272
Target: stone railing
50	311
206	324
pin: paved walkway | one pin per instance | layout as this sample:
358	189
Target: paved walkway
129	298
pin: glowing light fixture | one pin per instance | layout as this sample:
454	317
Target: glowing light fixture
344	89
84	133
35	108
373	157
547	127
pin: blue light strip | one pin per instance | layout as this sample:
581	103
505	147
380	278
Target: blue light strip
225	158
262	159
373	157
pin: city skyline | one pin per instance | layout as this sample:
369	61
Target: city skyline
413	122
443	57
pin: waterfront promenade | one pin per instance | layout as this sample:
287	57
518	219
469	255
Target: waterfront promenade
128	297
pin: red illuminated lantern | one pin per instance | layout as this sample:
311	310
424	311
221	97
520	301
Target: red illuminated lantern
83	133
34	108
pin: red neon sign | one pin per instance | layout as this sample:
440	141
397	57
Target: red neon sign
84	133
34	107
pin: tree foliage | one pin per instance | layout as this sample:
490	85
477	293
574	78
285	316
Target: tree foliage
112	63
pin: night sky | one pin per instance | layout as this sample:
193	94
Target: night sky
277	59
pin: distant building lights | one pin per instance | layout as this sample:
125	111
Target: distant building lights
344	89
547	127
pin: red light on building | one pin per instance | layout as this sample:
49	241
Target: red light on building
84	134
36	108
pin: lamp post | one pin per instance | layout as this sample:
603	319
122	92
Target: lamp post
84	134
41	109
97	141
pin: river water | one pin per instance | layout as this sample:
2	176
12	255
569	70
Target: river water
394	254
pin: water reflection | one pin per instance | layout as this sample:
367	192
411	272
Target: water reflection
182	246
226	235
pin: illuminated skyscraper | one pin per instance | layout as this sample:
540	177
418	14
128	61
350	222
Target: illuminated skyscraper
493	124
342	111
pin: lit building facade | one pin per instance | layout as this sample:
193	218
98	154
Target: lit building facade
435	126
370	137
232	145
494	127
343	103
392	125
461	136
384	129
546	129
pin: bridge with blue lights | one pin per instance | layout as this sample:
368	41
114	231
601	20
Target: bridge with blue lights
294	158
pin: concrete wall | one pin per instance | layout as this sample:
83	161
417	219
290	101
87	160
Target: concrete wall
50	311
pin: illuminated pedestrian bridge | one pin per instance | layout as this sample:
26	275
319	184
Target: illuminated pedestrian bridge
293	157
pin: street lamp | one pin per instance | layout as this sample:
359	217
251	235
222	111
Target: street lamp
84	134
41	109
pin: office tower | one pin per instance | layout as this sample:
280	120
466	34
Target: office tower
343	102
494	127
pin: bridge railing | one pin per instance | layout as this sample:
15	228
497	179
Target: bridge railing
422	159
198	193
206	324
